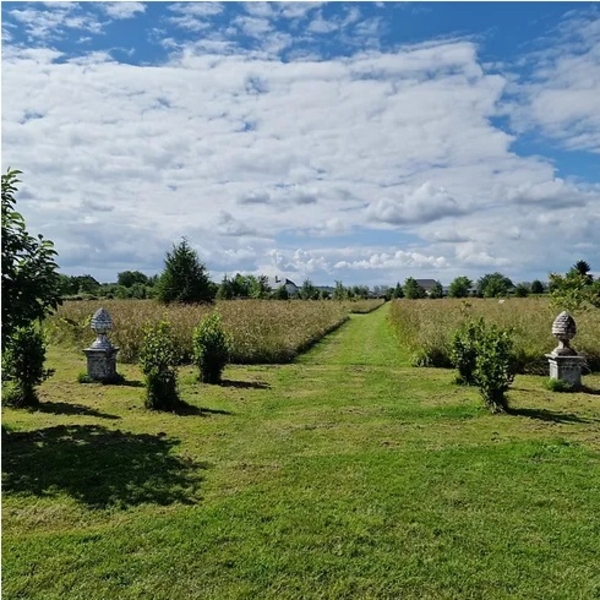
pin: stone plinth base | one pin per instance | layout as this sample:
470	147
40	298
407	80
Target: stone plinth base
566	368
101	363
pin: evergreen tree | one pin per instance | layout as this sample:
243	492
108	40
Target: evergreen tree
413	290
184	278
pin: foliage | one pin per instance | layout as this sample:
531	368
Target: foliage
494	365
522	290
464	350
558	385
460	287
184	278
308	291
130	278
537	287
158	360
23	365
493	285
412	290
30	281
437	291
398	291
576	290
211	348
281	293
339	291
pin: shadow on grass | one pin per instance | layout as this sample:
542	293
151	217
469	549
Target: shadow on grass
590	391
67	408
543	414
185	409
258	385
99	467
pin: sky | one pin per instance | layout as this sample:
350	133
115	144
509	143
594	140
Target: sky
361	142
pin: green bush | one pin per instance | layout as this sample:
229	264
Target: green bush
464	351
23	366
558	385
483	356
158	357
212	348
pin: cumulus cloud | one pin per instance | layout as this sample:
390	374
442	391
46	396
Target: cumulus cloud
122	10
270	161
561	97
425	204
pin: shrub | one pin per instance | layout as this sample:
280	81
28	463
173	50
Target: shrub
212	347
464	351
558	385
494	365
483	356
158	357
24	366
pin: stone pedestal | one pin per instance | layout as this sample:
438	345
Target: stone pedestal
102	363
566	368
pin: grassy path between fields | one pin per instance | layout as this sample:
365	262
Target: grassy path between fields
347	474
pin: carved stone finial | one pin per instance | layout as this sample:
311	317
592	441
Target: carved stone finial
564	330
101	325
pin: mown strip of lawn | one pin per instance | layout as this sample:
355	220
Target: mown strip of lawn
345	475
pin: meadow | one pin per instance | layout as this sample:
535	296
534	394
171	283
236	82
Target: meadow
262	331
346	474
425	328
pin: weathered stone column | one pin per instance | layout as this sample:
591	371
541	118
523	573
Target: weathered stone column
101	355
565	363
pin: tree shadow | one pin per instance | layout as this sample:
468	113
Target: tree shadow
584	389
258	385
67	408
185	409
543	414
99	467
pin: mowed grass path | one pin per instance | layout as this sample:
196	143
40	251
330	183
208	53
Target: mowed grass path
347	474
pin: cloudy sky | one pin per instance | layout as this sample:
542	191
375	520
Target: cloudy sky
363	142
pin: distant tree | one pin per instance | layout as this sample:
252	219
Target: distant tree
184	278
522	290
308	291
413	290
575	290
130	278
226	289
537	287
241	286
281	293
437	291
494	285
460	287
324	295
259	287
339	291
398	291
582	268
86	284
31	284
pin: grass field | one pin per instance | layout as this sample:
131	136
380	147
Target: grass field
262	331
425	328
346	474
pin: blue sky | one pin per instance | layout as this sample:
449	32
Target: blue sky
362	142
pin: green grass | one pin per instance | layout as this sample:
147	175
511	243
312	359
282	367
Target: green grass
347	474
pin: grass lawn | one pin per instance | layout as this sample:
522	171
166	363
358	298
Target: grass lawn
347	474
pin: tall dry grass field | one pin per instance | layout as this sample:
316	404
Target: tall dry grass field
263	331
425	327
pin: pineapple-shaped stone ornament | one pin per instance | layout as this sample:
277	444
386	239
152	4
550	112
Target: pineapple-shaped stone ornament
564	330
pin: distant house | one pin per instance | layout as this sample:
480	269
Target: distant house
291	288
427	284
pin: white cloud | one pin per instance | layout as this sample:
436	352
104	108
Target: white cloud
122	10
561	98
245	154
422	205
